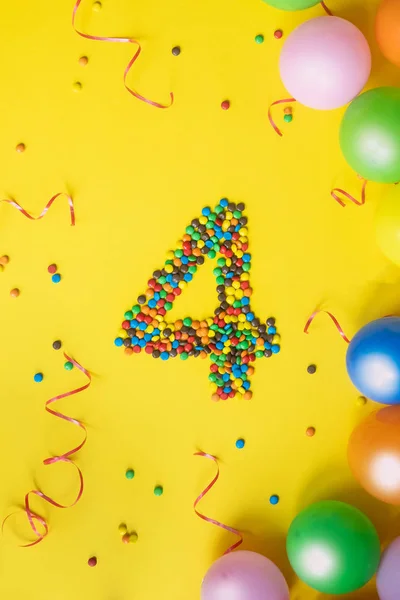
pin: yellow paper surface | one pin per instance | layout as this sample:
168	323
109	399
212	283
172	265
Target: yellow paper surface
138	175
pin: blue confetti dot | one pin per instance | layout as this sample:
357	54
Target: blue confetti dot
274	499
56	278
38	377
118	341
240	443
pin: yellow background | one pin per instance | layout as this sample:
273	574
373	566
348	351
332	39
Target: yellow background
138	175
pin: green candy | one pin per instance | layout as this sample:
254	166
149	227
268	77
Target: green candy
168	305
187	321
196	236
292	4
178	253
163	294
162	279
220	280
333	547
136	309
192	269
189	230
212	376
217	272
184	356
128	315
221	262
259	353
212	254
246	266
370	135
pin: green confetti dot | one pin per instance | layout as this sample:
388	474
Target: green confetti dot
68	366
259	38
158	490
130	474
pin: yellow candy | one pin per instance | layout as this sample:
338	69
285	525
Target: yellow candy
214	387
122	529
239	253
133	538
182	285
242	318
243	239
241	390
230	299
226	349
156	338
228	215
159	318
240	326
150	328
228	319
203	220
236	285
209	321
225	226
234	248
243	231
211	333
200	244
238	383
162	326
230	291
244	277
228	262
239	294
234	319
170	255
168	268
247	325
171	326
276	339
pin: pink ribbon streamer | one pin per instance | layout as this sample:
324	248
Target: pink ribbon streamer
121	40
271	120
336	191
65	457
326	9
208	519
46	208
334	319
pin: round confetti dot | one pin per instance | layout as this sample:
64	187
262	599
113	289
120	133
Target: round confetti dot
288	110
130	474
225	105
288	118
4	260
56	278
20	148
92	562
259	39
83	61
278	33
361	401
68	366
38	377
77	86
97	6
310	431
133	537
125	538
158	490
15	293
57	345
52	268
274	499
311	369
176	50
122	529
240	443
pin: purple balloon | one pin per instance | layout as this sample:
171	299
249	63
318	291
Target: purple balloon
388	577
244	575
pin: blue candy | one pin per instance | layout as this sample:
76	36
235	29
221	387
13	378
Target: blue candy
118	341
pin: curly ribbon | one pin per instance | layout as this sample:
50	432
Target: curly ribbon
46	208
32	516
203	493
336	191
121	40
334	319
326	9
271	120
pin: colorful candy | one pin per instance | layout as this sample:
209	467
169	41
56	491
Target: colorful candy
234	337
38	377
57	344
158	490
129	473
92	562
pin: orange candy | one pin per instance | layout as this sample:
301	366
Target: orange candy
387	30
374	454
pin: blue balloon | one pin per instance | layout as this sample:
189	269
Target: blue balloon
373	360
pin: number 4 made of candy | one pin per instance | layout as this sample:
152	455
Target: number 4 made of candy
234	337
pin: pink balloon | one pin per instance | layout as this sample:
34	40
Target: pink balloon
388	577
244	576
325	62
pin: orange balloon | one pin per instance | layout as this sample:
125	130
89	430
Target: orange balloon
387	28
374	454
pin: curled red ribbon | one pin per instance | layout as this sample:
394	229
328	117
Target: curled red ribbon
213	521
334	319
271	120
326	9
33	517
46	208
349	196
121	40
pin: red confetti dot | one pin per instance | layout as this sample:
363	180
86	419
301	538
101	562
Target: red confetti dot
52	268
310	431
225	105
278	34
92	562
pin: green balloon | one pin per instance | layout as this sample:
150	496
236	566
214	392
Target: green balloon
292	4
370	135
333	547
